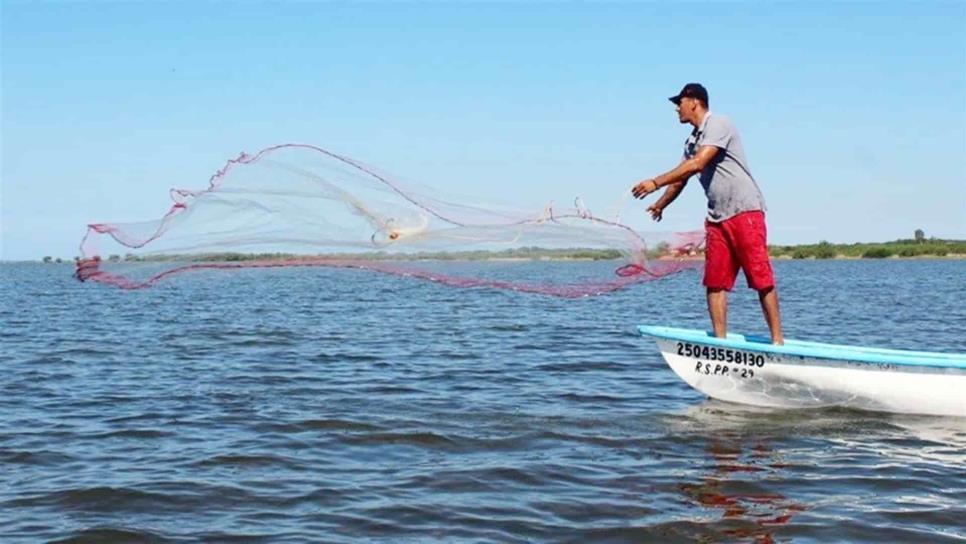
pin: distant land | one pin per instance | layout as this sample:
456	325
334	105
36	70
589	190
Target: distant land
907	248
932	247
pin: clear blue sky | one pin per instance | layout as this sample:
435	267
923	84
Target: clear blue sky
853	115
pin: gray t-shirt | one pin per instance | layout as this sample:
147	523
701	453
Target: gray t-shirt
727	181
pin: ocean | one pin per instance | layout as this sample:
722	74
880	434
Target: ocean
335	405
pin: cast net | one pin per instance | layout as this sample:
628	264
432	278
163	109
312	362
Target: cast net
298	205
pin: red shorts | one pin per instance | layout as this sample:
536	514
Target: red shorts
737	242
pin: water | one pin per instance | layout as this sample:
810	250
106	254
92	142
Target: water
339	405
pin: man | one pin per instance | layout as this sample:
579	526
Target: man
735	225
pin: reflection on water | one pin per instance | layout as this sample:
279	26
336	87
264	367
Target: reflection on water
760	472
751	513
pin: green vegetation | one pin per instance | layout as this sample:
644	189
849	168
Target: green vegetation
916	247
902	248
822	250
522	253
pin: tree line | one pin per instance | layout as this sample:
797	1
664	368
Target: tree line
919	246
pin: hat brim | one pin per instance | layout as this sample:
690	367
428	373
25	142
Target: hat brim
676	99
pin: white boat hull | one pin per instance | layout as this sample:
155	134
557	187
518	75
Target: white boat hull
792	381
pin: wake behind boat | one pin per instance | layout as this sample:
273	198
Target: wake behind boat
800	374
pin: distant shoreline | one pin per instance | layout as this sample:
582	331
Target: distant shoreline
948	257
951	256
898	249
860	258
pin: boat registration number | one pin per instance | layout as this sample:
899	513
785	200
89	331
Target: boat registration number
723	355
719	369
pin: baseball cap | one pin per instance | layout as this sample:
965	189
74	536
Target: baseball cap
691	90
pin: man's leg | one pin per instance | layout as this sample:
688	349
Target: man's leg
718	310
720	271
751	237
769	306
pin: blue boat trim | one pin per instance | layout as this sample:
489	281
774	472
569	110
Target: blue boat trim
813	350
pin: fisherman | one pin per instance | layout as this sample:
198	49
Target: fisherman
735	225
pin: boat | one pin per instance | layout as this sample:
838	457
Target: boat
801	374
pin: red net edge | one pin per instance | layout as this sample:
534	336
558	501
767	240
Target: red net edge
90	270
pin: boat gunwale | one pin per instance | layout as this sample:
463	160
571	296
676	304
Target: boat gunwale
812	350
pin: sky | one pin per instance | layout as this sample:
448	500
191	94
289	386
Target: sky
852	115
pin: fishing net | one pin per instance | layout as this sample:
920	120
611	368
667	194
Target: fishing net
298	205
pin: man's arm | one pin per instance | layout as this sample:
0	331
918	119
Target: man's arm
685	170
671	193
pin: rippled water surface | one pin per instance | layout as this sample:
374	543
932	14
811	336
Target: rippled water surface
339	405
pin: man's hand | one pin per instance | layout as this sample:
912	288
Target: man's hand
644	188
657	212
